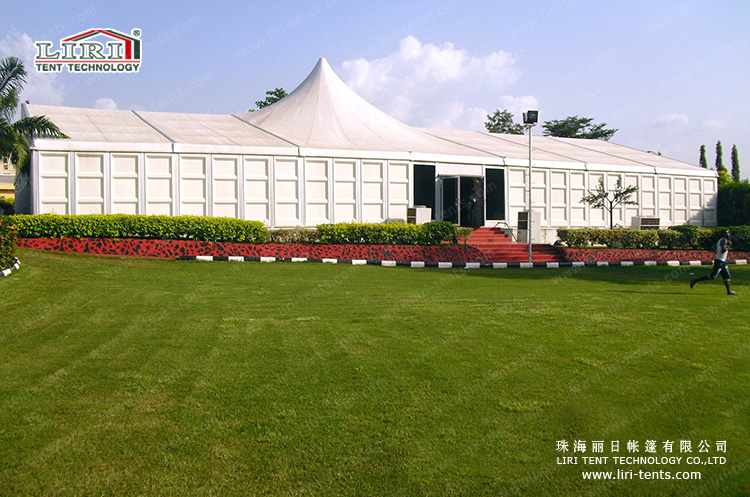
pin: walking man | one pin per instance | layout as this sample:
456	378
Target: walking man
720	264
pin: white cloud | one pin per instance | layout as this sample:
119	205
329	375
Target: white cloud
40	88
105	103
431	85
713	125
671	121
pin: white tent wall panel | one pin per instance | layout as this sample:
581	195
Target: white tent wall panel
317	191
124	183
287	192
680	199
373	191
89	190
225	186
709	202
666	211
54	187
399	193
160	184
631	211
648	197
344	190
517	194
579	214
257	189
193	181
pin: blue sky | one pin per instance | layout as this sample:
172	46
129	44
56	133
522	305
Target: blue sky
670	76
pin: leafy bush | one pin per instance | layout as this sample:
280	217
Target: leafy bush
689	234
201	228
298	234
462	234
676	237
7	206
7	242
433	233
733	204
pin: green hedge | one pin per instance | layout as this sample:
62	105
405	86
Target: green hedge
201	228
7	242
7	206
433	233
297	234
733	204
677	237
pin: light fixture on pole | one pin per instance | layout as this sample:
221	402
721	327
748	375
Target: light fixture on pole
530	118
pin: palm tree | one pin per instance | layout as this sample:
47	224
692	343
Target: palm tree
15	135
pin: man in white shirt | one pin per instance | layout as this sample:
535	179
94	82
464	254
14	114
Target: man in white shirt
720	264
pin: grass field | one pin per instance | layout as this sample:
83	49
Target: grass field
155	377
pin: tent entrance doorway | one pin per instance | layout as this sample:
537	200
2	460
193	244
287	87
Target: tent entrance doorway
462	200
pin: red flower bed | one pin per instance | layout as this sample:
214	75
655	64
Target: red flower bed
641	255
134	247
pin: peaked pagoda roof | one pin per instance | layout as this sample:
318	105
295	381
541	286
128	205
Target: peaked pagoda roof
324	113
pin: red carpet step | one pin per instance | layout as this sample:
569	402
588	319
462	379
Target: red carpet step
498	247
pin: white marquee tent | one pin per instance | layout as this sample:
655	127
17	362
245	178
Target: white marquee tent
325	155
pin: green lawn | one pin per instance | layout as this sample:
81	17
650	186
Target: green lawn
156	377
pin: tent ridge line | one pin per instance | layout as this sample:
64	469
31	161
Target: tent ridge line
605	153
162	133
299	149
494	135
504	157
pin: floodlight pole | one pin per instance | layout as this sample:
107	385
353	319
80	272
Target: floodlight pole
530	119
528	219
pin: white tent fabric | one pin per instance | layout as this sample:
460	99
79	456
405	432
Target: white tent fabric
323	113
324	117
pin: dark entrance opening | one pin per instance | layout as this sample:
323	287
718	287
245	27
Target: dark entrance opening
462	200
424	186
495	193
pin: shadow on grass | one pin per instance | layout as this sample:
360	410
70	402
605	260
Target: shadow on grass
632	275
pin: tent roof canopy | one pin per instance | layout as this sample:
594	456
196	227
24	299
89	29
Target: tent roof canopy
324	117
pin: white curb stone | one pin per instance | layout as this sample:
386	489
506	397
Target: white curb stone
472	265
388	263
445	265
330	261
299	259
268	259
417	264
236	258
359	262
499	265
204	258
626	263
649	263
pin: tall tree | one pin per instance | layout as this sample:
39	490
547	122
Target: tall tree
603	199
578	127
15	136
502	122
272	96
719	164
724	177
735	164
703	162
